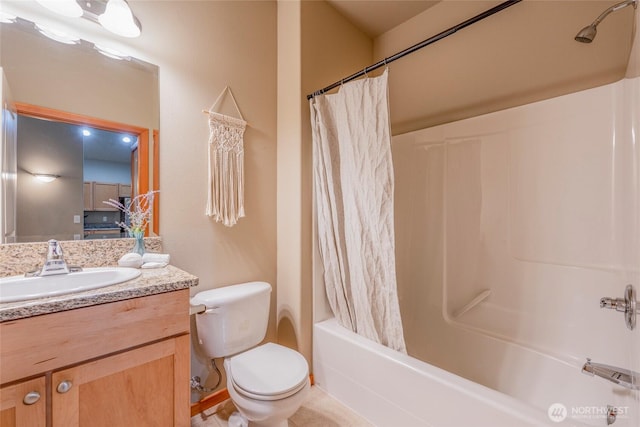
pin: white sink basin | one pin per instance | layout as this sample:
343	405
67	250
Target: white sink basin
20	288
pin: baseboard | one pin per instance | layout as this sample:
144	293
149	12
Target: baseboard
209	401
216	398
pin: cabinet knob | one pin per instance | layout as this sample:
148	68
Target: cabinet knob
64	386
31	398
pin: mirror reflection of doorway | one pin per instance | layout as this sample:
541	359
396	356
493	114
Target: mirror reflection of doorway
107	174
88	166
91	160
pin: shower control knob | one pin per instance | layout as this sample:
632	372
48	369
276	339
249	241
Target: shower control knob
627	305
617	304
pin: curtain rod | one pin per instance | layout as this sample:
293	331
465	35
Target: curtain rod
417	46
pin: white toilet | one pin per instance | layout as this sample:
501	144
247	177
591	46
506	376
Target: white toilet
266	383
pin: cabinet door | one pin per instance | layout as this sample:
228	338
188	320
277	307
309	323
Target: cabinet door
23	404
87	195
148	386
104	192
125	190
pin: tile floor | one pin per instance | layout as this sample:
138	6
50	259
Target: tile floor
319	410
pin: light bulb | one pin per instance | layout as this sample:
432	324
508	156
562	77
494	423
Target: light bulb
119	19
45	177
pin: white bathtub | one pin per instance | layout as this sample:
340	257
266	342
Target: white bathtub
395	390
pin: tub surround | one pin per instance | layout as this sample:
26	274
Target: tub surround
21	257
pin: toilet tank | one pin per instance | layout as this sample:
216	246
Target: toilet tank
236	318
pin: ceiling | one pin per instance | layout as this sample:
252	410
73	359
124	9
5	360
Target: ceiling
107	146
377	17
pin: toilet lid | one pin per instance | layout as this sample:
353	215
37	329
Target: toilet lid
269	372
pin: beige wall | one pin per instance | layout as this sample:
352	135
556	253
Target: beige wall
327	56
289	259
225	43
316	46
520	55
196	63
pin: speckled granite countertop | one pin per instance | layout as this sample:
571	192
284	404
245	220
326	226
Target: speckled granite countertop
18	258
150	282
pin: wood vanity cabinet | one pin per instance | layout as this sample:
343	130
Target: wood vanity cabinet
123	364
24	404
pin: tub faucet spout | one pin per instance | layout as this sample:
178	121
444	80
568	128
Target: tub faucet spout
620	376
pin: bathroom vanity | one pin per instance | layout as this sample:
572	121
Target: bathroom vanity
115	356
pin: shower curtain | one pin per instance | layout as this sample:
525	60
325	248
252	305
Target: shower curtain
353	176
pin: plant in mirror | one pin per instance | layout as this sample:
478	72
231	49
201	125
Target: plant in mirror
135	216
74	90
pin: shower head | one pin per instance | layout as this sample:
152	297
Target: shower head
588	33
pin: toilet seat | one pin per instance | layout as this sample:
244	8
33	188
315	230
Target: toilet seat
268	372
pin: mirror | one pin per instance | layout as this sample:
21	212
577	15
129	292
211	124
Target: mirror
76	85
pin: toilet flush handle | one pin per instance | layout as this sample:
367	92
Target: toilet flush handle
197	309
202	309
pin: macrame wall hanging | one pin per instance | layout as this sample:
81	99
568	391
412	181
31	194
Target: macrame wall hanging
225	202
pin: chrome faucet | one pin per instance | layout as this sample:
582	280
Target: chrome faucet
55	263
623	377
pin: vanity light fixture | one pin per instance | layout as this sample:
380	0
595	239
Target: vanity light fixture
126	139
57	35
117	16
45	177
68	8
119	19
86	132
